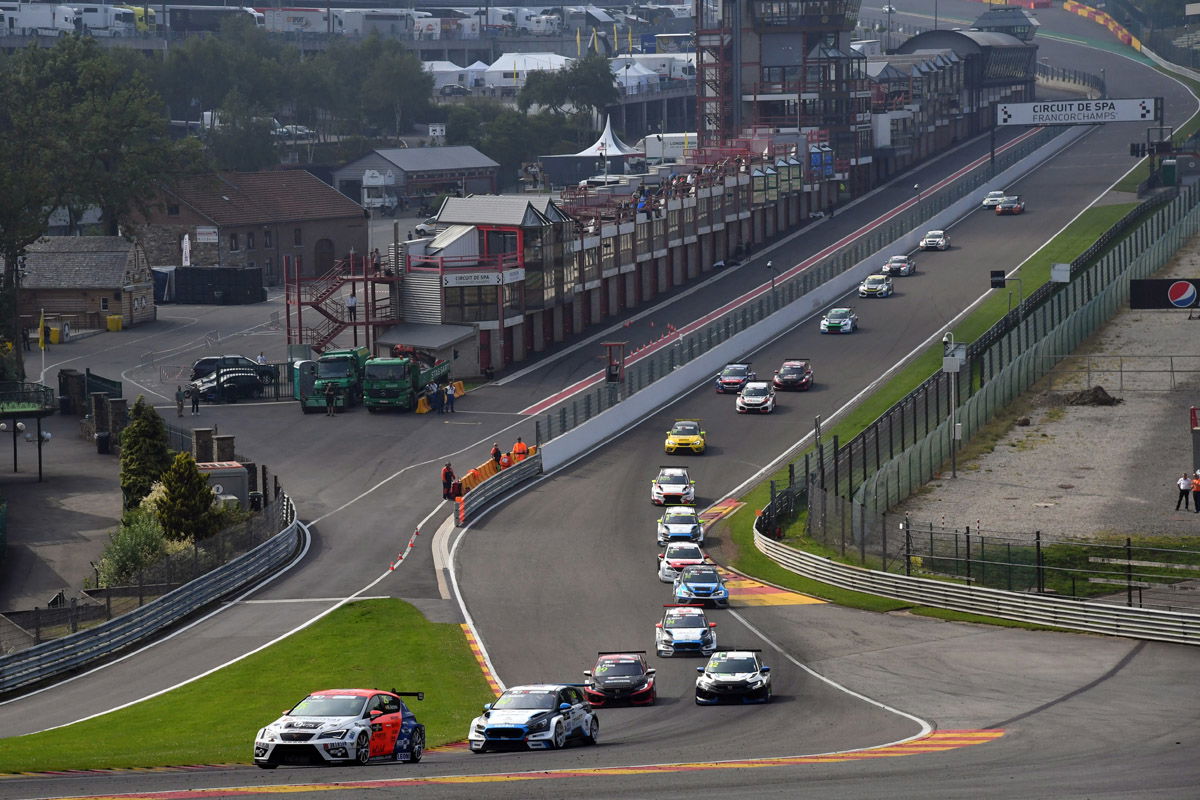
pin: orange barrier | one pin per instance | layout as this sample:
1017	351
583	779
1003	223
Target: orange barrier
487	469
1102	18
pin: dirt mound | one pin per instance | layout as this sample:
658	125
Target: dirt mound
1095	396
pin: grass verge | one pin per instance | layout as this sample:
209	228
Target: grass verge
369	644
1065	247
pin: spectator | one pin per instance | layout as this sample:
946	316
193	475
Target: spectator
25	341
262	359
448	479
376	260
195	393
520	450
330	400
450	394
352	305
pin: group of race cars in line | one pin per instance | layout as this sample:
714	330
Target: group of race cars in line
357	726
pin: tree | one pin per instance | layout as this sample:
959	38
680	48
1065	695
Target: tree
548	89
592	83
187	510
395	85
242	141
145	455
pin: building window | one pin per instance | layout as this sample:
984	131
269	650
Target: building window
173	210
297	237
250	240
233	241
104	304
268	242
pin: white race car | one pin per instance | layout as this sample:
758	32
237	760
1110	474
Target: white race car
343	726
684	629
757	396
839	320
936	240
538	717
992	199
672	485
677	556
679	524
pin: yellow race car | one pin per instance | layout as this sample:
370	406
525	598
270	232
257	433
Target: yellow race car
685	436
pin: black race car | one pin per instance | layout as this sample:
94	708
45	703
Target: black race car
620	677
796	373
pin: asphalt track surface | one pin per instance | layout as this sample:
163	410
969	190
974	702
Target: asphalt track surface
566	568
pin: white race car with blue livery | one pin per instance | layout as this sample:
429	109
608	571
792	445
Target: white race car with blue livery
684	630
680	524
536	717
701	583
349	726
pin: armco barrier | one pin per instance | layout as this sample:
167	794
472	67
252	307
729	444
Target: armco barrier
1039	609
61	655
496	485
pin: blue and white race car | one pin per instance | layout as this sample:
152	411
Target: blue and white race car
736	675
680	524
351	726
701	583
684	630
539	717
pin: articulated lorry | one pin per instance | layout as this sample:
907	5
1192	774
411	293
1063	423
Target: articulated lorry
398	381
344	369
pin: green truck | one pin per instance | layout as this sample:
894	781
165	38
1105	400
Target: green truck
343	369
397	382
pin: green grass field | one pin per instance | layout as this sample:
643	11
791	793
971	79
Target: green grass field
385	644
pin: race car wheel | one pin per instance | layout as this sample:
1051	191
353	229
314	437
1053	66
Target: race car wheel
416	747
265	765
362	749
593	732
560	737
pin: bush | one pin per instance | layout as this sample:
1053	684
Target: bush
135	545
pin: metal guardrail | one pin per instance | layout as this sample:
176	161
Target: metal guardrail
475	500
18	397
61	655
1038	609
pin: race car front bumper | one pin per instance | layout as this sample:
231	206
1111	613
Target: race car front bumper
637	696
722	693
510	737
303	753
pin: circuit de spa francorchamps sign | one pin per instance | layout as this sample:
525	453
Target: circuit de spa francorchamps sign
1080	112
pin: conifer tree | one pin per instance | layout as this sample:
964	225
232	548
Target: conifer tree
144	452
187	510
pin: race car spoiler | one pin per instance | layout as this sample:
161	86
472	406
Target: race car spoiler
418	695
683	605
672	466
617	652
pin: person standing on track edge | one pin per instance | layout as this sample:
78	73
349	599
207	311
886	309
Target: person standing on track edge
519	450
1185	486
496	453
195	393
1196	492
450	394
448	479
330	400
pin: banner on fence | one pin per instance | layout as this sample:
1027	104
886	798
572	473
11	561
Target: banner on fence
1163	293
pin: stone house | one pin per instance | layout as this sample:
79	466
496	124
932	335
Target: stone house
281	221
83	280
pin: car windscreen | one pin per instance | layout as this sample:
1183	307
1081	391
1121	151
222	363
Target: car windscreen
324	705
386	372
611	669
679	519
685	429
792	372
754	391
683	551
733	372
333	368
701	575
839	314
672	477
687	621
729	666
525	700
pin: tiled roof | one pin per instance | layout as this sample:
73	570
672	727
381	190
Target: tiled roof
249	198
77	262
429	159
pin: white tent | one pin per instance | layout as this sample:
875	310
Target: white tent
476	74
445	73
608	144
512	69
633	77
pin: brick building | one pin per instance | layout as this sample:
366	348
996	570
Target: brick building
277	221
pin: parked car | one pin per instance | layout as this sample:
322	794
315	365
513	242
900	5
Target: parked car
209	364
298	132
229	386
426	228
454	90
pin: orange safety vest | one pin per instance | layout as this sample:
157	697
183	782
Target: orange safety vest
1196	484
505	461
519	451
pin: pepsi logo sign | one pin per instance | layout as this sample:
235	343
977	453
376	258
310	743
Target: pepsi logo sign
1182	294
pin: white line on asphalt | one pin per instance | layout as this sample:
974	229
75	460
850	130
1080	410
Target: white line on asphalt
302	600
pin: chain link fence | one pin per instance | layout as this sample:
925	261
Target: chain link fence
679	348
62	615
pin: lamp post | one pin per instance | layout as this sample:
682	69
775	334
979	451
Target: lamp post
16	427
603	148
889	10
953	356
